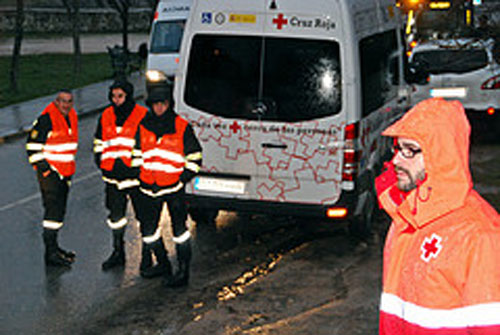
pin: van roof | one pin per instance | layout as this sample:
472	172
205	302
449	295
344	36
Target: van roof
296	17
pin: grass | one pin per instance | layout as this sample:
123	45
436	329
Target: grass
41	75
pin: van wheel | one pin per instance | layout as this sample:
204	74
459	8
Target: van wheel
204	216
361	226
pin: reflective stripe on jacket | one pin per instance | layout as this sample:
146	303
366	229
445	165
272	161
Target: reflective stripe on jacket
60	148
163	159
442	253
119	143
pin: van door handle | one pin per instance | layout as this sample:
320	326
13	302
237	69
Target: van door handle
274	146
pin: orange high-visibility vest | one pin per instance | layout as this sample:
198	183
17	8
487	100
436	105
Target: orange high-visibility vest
119	145
61	145
163	159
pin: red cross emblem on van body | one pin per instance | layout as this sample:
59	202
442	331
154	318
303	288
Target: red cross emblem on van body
280	21
235	127
431	247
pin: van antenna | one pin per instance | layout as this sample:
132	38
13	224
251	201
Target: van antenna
273	5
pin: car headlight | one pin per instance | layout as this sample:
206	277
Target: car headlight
155	76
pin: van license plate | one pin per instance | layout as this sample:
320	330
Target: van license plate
219	185
448	92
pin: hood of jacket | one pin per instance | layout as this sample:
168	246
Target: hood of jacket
443	131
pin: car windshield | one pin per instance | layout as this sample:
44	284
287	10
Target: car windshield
451	61
272	79
167	36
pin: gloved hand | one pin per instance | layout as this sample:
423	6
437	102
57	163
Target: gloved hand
386	179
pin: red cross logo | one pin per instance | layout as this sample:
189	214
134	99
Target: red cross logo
235	127
280	21
431	247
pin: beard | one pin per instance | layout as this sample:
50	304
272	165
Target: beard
411	183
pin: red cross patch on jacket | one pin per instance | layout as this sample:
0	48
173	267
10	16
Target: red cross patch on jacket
431	247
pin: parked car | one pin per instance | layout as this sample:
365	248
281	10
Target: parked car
464	69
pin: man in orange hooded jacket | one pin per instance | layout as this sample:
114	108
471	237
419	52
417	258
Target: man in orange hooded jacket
442	252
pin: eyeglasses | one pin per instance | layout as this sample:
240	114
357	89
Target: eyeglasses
119	95
64	101
406	152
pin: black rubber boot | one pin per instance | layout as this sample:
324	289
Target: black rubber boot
146	257
162	267
117	257
53	257
181	277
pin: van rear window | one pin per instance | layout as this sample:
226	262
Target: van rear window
167	36
271	79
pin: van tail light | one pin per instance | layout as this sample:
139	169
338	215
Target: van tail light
336	212
351	156
492	84
155	17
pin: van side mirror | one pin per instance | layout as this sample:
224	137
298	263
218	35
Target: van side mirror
416	73
143	51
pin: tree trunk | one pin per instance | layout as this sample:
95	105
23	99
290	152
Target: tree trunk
76	39
125	29
73	10
14	68
152	4
122	7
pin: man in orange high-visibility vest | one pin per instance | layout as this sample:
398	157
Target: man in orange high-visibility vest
51	147
171	157
113	153
442	252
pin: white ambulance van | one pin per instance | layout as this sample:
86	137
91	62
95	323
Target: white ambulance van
165	41
288	99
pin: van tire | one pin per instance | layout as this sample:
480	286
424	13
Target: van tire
204	216
361	226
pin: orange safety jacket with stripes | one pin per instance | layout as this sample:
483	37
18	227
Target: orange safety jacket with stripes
119	144
442	253
163	159
61	145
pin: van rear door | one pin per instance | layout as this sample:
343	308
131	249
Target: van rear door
266	100
300	105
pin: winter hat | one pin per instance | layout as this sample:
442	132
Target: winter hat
159	94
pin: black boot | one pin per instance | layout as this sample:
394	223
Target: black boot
117	257
146	258
70	255
181	277
53	257
162	267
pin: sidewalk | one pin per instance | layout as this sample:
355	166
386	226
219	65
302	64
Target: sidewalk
17	119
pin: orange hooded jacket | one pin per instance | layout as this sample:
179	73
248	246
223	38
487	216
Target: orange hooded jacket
442	252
